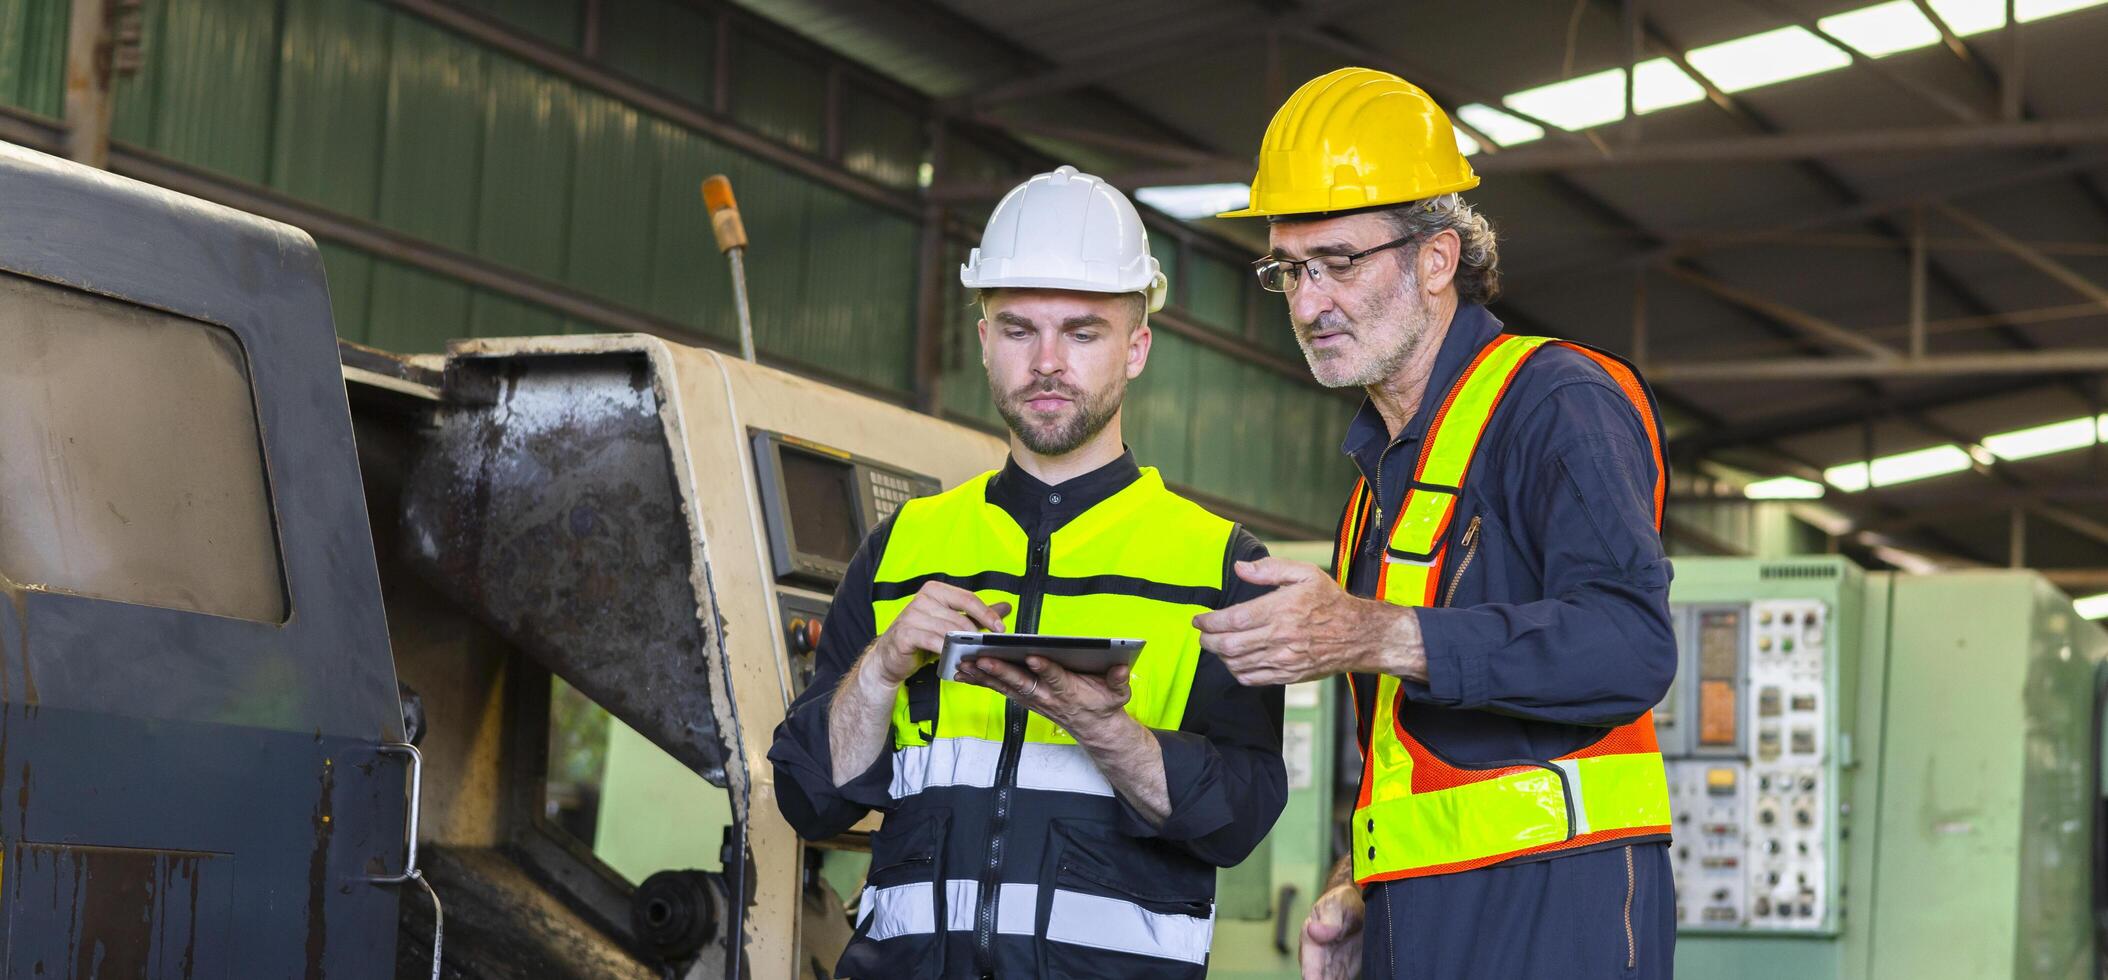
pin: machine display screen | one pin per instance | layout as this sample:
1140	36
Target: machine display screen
821	497
1719	663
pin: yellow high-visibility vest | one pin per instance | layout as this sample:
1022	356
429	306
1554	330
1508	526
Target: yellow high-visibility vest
1419	814
1140	564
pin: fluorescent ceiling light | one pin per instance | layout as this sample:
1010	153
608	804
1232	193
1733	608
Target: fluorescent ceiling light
1465	144
1850	477
1592	100
1884	28
2042	440
1762	59
1966	17
1189	201
2093	606
1920	464
1783	488
1576	103
1659	84
2029	11
1501	127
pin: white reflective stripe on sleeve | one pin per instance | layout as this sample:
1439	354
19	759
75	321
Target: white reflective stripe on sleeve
1109	923
971	762
1571	769
909	910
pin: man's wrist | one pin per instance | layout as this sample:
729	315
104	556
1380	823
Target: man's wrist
871	676
1109	732
1399	649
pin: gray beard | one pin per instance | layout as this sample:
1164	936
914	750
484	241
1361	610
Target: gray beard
1387	363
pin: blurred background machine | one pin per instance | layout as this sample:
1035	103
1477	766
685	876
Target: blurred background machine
1883	775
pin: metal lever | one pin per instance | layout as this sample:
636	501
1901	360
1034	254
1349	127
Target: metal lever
410	870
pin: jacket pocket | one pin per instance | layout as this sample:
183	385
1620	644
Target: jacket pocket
905	905
1118	906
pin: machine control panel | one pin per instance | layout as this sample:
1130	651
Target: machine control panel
802	616
1747	746
819	503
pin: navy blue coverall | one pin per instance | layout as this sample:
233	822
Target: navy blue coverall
1559	628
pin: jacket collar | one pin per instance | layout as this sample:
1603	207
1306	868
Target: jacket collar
1033	504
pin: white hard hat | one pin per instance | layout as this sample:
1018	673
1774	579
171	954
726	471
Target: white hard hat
1066	230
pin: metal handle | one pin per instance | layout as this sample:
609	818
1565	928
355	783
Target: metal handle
410	871
417	789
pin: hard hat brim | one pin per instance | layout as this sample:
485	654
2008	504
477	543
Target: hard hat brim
1422	195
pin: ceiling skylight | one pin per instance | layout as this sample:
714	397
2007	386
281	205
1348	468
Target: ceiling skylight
1189	201
1884	28
2043	440
1783	488
2093	606
1501	127
1763	59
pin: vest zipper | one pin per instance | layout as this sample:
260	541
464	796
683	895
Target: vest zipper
1014	716
1471	550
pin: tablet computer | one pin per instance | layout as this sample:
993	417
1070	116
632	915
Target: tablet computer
1082	654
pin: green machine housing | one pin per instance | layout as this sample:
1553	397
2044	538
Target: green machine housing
1879	774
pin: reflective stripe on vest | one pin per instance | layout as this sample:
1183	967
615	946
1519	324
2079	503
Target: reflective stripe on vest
1419	814
1140	564
1097	921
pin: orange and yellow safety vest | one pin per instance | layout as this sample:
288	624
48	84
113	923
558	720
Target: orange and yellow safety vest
1419	814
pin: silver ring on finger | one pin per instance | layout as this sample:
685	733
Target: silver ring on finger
1029	691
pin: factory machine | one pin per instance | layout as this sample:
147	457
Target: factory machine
1880	775
284	674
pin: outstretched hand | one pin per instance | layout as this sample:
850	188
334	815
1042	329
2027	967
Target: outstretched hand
1308	627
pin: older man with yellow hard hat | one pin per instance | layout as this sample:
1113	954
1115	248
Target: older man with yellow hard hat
1499	593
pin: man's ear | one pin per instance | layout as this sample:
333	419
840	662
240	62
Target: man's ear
1438	260
981	330
1138	341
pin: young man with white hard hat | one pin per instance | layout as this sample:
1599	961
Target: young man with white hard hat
1040	822
1500	594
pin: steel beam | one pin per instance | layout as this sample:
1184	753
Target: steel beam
2021	250
33	131
2064	361
1767	147
1903	83
1808	324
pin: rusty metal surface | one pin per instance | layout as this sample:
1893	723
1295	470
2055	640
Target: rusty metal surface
546	502
117	912
132	727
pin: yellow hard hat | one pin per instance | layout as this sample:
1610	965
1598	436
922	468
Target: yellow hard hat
1355	138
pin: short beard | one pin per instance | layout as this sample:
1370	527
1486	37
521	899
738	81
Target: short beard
1414	318
1092	415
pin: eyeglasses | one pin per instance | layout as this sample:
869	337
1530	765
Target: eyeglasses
1284	275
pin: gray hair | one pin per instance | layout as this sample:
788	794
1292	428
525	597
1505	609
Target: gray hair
1478	261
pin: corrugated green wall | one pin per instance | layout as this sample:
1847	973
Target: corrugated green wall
33	55
380	115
